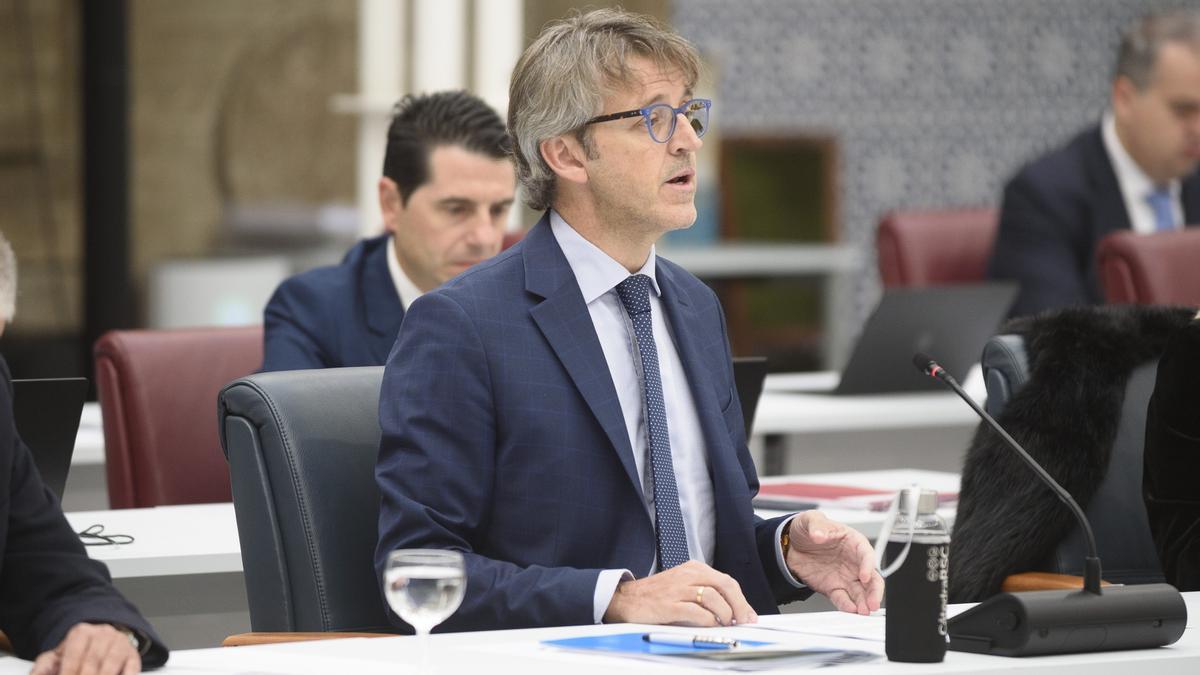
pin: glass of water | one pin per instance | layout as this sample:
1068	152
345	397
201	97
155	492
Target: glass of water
424	587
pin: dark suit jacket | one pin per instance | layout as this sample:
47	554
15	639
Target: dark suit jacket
334	317
503	438
47	582
1172	460
1055	212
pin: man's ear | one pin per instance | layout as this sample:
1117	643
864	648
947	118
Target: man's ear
565	156
1123	93
389	203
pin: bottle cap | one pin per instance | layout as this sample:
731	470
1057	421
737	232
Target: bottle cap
927	502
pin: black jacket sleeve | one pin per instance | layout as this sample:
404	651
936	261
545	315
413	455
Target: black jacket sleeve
47	581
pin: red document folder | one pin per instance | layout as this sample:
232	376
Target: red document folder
797	496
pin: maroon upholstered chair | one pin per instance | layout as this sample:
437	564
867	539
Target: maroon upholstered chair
1150	269
932	248
158	399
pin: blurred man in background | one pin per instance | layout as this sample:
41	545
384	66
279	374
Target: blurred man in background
446	191
56	604
1136	170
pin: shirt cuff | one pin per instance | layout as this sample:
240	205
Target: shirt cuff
783	568
606	588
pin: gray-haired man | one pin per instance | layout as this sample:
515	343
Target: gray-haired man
565	414
56	604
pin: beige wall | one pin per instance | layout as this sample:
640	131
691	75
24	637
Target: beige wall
230	103
39	159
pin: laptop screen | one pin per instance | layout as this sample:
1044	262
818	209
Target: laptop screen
46	413
950	323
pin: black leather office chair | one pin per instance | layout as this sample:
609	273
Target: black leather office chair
301	447
1071	386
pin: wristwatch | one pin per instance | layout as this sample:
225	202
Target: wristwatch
134	639
785	540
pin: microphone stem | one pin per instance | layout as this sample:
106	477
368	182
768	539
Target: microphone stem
1091	575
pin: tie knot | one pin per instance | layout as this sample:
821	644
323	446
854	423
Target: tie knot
635	294
1158	195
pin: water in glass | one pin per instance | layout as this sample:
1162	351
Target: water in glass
424	587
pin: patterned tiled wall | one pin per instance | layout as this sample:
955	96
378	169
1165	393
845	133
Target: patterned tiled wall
933	102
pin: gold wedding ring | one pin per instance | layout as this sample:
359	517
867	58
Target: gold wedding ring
700	595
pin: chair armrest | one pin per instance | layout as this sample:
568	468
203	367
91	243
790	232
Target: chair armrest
1042	581
249	639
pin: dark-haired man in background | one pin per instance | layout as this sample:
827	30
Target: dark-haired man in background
446	190
1136	170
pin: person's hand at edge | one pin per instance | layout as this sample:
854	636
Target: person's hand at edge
101	649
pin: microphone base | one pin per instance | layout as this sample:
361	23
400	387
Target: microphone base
1067	622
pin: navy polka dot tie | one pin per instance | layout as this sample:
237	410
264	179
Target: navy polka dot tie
672	537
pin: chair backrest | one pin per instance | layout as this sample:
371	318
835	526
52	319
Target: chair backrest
1116	511
1150	269
301	447
158	392
930	248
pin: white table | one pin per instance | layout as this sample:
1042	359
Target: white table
792	405
520	652
89	440
803	427
184	568
197	539
188	539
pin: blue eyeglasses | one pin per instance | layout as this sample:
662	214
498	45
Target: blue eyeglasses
660	118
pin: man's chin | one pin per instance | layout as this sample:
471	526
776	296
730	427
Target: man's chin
681	219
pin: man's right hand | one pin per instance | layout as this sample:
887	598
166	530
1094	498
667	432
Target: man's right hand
692	594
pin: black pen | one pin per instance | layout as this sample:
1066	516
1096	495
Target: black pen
697	641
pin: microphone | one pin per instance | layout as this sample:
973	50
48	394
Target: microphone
1062	622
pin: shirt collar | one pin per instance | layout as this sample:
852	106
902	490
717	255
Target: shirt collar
596	272
1132	179
405	288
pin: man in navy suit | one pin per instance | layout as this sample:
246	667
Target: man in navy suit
565	414
446	190
1137	170
57	605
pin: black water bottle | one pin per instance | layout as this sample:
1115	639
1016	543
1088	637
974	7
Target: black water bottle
915	594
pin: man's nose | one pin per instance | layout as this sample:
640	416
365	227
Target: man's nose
484	231
684	139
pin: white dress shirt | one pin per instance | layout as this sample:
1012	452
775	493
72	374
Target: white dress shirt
1135	184
405	288
597	275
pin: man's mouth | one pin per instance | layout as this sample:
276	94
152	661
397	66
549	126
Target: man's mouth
683	178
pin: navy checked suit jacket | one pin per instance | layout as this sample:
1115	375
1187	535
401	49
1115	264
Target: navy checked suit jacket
1055	212
503	438
334	317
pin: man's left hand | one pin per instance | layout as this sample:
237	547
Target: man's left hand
90	648
834	560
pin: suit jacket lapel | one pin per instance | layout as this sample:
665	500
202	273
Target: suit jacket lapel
1189	194
688	327
382	306
1112	214
563	319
